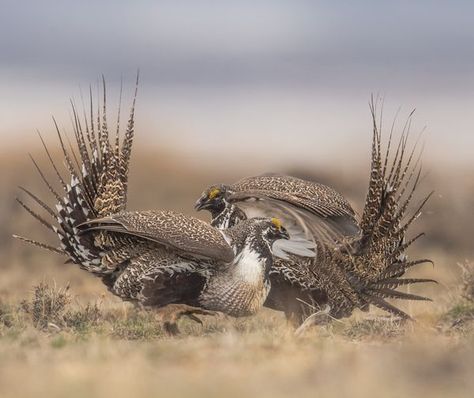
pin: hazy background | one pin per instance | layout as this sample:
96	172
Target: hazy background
230	89
275	81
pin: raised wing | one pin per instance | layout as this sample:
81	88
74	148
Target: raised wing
186	234
317	198
321	206
310	211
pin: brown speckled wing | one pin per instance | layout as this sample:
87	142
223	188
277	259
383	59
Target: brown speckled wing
317	198
186	234
316	207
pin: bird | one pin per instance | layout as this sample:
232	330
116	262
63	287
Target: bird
159	259
310	209
359	261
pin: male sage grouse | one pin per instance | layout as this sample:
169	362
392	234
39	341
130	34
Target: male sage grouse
156	258
358	262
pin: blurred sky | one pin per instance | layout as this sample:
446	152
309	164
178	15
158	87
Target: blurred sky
278	80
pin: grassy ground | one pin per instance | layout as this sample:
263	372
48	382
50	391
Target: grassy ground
52	345
80	341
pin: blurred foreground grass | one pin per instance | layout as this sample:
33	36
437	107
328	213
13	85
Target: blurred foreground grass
113	349
95	345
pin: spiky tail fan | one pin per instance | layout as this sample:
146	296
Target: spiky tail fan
379	260
98	174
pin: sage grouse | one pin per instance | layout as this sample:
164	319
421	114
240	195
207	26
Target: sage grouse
155	258
357	262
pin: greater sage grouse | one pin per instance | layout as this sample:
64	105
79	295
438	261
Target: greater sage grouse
357	262
156	258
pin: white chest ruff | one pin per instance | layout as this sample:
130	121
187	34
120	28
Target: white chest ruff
249	267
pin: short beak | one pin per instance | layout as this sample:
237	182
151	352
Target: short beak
202	203
284	234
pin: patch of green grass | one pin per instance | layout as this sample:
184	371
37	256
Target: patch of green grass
459	318
84	319
136	325
5	315
12	321
385	328
59	341
461	310
50	312
48	305
467	274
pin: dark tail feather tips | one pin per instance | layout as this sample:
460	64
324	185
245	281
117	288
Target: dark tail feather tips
93	175
392	186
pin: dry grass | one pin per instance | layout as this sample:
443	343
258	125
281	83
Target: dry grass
81	341
459	319
105	349
47	306
467	287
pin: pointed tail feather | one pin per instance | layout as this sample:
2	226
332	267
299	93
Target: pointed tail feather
98	184
384	305
379	257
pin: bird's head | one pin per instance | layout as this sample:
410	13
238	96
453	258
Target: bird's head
266	231
275	231
213	199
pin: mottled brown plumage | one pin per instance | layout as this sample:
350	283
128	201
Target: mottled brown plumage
358	264
155	258
320	199
171	229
